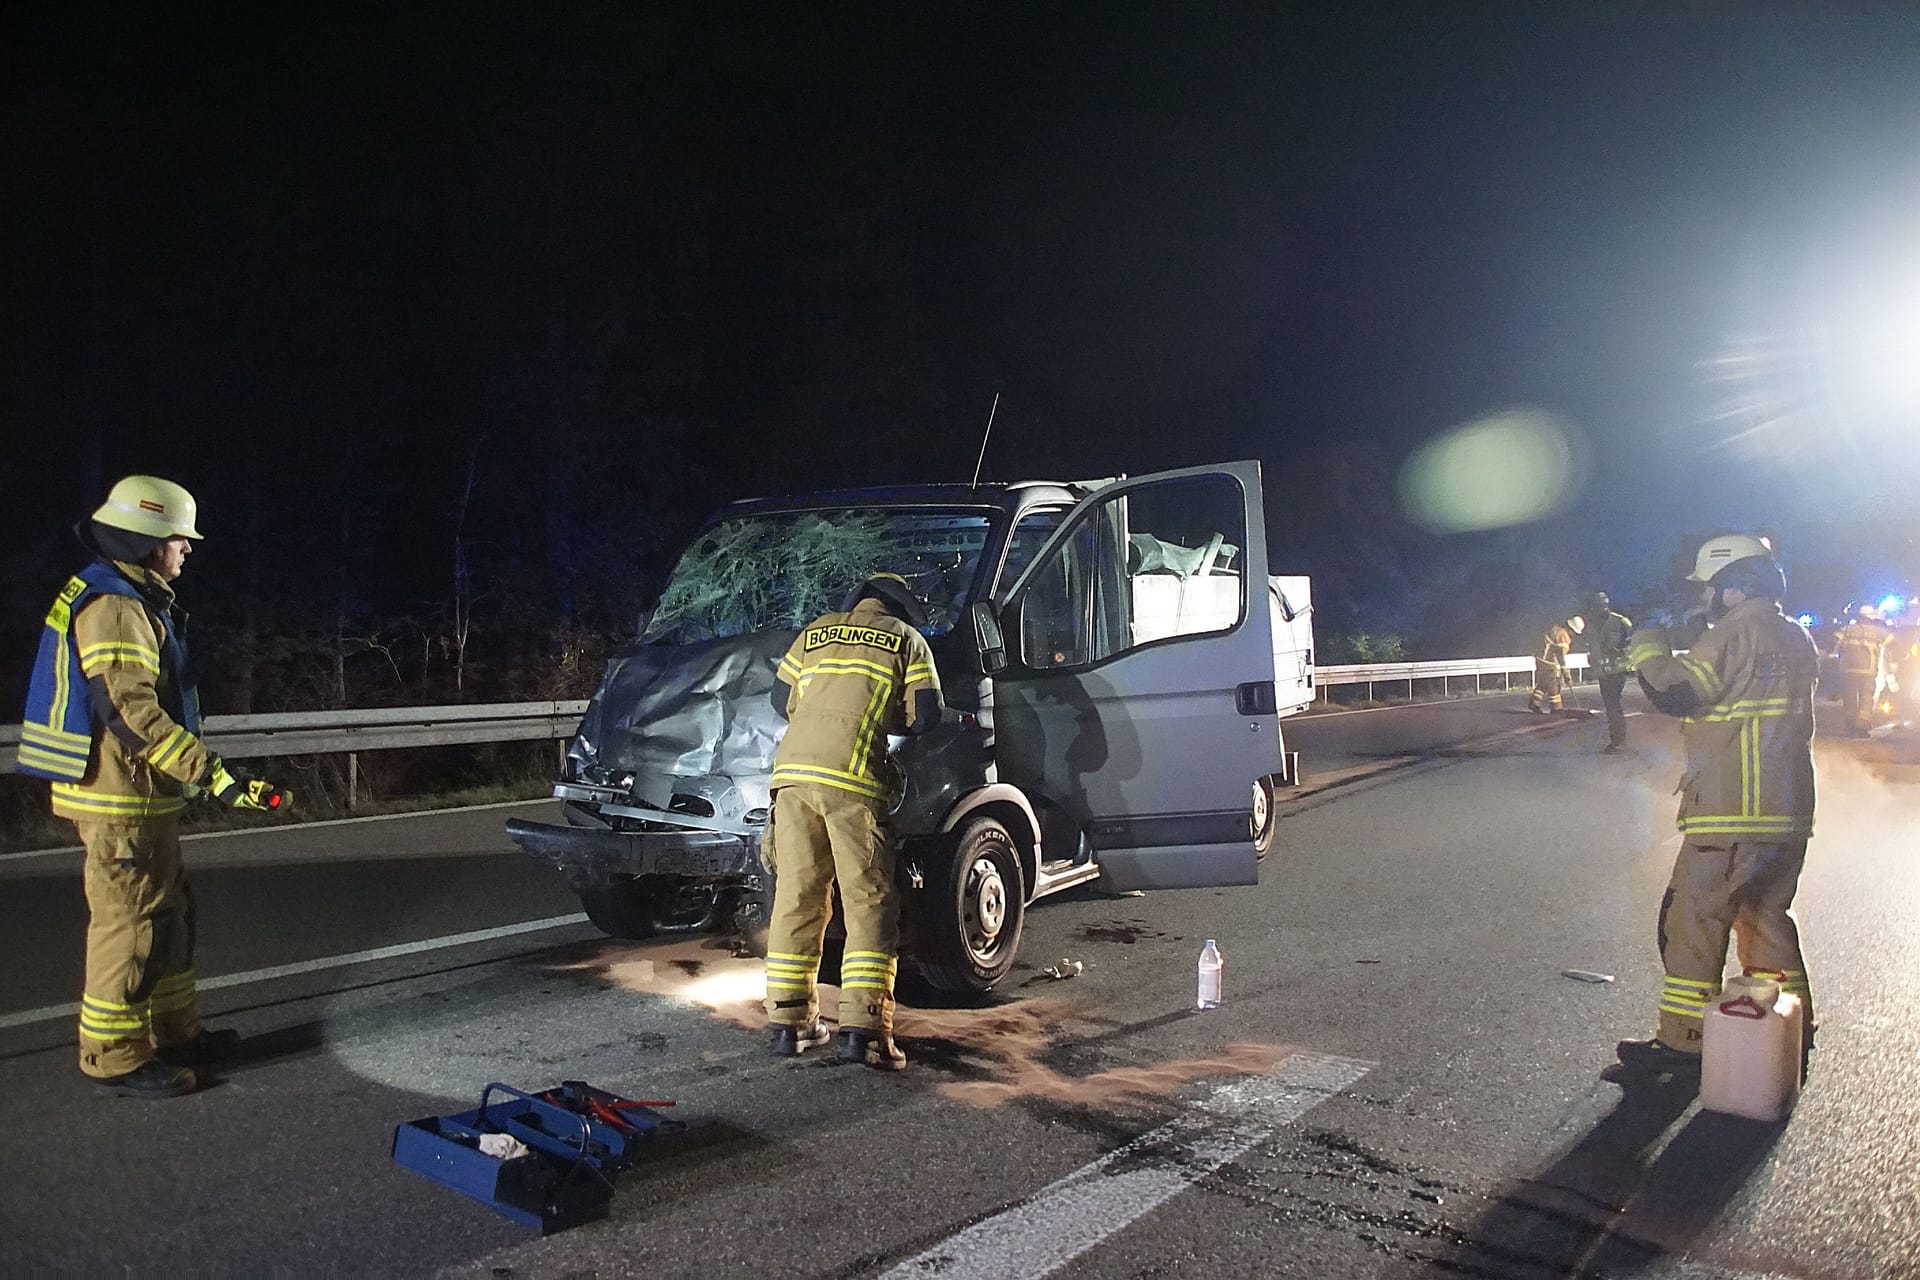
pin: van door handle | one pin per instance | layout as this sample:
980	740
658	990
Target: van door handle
1256	698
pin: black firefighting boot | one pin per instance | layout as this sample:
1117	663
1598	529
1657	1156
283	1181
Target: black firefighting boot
869	1048
153	1079
1657	1057
209	1046
785	1040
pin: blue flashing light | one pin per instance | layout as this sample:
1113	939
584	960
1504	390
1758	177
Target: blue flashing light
1893	604
1809	620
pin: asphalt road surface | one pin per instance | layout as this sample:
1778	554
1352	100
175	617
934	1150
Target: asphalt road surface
1401	1081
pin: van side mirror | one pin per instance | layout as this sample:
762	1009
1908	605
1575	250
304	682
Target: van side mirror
987	641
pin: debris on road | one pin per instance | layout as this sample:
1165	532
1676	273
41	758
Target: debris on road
1586	975
1065	969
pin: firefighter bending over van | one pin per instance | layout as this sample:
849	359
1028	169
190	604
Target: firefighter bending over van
849	680
1745	692
1550	665
113	719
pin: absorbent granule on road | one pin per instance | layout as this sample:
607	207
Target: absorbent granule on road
1003	1050
1006	1049
695	970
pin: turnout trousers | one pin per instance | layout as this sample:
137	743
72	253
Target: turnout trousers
140	923
820	835
1546	687
1610	690
1742	889
1860	695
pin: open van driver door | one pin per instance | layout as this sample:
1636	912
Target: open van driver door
1138	686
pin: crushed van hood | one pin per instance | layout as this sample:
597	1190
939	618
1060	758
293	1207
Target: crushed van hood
685	711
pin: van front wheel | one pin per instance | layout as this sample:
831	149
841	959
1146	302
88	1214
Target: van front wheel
620	907
968	917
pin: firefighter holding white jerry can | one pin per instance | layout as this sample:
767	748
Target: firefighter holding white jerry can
848	681
113	721
1744	691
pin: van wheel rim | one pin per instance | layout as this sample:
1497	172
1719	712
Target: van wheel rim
1261	816
985	908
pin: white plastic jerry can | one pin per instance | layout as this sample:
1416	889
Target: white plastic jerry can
1750	1052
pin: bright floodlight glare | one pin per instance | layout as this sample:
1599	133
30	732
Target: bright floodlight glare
1892	604
1506	469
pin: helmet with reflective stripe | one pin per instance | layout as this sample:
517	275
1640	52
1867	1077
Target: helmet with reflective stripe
150	506
891	590
1717	553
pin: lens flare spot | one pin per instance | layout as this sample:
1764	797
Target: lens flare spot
1506	469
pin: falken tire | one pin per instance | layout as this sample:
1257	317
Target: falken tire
620	908
968	917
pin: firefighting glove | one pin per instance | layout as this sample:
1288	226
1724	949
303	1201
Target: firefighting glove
244	792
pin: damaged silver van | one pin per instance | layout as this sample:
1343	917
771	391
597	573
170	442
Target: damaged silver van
1116	662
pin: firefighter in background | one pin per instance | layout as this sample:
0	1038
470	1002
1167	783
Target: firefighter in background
113	720
1607	651
1550	665
848	681
1861	648
1745	690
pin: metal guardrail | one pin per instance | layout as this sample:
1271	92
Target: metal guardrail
1373	673
294	733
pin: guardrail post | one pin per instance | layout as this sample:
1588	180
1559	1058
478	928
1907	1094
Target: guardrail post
353	779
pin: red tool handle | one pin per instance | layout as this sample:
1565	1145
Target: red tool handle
1744	1007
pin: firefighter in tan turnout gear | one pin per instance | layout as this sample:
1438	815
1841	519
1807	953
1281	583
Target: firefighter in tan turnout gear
1550	665
849	680
1861	648
113	720
1744	691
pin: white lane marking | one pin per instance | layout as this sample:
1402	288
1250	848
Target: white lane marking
1059	1223
302	826
1402	706
51	1012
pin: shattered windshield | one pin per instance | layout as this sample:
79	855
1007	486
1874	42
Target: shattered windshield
780	571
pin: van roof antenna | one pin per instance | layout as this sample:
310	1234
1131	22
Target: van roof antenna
981	460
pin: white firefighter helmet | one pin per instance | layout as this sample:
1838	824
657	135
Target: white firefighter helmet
1866	613
1576	624
1716	554
151	506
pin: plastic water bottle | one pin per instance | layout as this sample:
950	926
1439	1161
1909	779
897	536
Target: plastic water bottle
1211	962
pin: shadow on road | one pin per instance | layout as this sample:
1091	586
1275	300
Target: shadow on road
1609	1206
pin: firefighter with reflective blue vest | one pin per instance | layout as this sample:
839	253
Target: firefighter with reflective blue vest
113	721
848	681
1744	692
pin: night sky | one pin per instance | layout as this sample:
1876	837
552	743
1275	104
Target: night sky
556	280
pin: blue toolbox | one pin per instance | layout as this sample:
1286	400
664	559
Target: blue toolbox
577	1139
